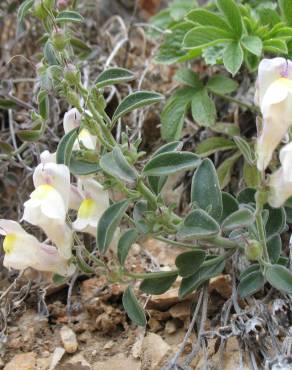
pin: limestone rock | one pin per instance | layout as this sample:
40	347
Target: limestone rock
24	361
69	340
154	351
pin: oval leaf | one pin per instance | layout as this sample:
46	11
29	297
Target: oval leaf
133	307
159	284
280	278
251	284
136	100
113	76
239	219
126	241
65	147
69	16
188	262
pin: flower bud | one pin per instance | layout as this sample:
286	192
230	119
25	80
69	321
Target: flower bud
59	40
71	74
39	9
253	250
63	4
73	99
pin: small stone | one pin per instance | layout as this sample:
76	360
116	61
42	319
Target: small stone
118	362
222	285
69	340
80	361
170	327
154	352
24	361
109	344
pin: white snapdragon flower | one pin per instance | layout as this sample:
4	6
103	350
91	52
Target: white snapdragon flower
280	182
49	203
274	96
23	250
95	202
72	119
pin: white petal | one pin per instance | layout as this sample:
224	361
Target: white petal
47	157
54	207
75	198
92	189
11	227
280	190
88	140
72	119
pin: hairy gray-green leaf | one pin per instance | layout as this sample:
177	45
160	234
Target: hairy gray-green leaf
136	100
158	284
224	171
244	147
133	307
126	241
171	162
213	145
205	192
188	262
239	219
114	76
198	224
65	146
108	224
230	205
203	109
274	246
69	16
280	278
250	284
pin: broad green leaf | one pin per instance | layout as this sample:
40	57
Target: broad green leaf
113	76
233	57
203	36
246	196
43	104
230	205
232	14
173	113
198	224
213	145
179	8
276	46
286	9
221	84
158	284
239	219
280	278
203	109
171	162
269	16
133	307
229	129
252	268
50	54
69	16
276	221
136	100
245	149
108	224
189	262
126	241
274	246
32	134
140	210
80	167
251	175
23	9
205	192
116	165
80	45
65	146
208	270
213	55
253	44
58	279
186	76
204	17
224	171
83	266
250	284
6	148
7	104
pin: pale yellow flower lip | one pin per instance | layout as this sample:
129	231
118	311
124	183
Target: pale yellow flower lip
42	191
9	242
87	208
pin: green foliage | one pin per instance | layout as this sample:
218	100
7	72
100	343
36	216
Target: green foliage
133	307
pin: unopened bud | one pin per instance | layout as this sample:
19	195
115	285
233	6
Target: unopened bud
63	4
253	250
71	74
39	9
59	40
73	99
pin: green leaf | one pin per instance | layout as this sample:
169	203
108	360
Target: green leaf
116	165
280	278
32	134
203	109
125	243
83	266
232	14
251	284
108	223
133	307
286	9
221	84
186	76
229	129
246	196
114	76
276	221
213	145
7	104
173	113
233	57
171	162
65	147
239	219
80	167
69	16
50	54
79	45
203	36
253	44
230	205
43	103
205	192
274	246
276	46
224	171
251	175
188	262
269	16
249	269
206	18
198	224
58	279
208	270
5	147
23	9
244	147
136	100
159	284
140	210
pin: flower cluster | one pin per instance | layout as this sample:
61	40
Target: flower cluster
54	195
274	96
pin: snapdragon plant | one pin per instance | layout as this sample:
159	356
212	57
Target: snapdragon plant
73	185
